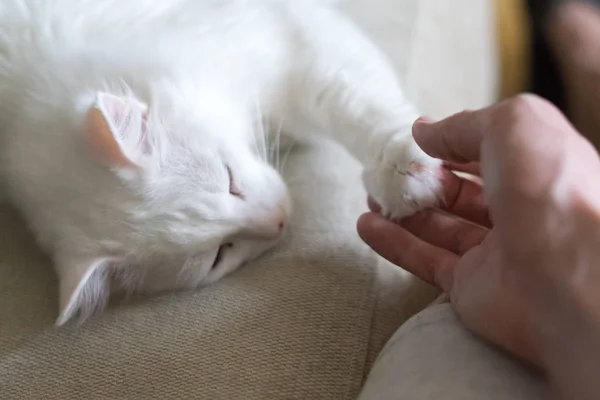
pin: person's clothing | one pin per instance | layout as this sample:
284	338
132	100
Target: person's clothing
433	357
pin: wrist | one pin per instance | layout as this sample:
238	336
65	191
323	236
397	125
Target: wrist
570	353
564	326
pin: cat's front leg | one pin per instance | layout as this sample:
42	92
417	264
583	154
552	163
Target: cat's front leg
397	173
348	87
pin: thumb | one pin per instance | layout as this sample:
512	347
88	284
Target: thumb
456	138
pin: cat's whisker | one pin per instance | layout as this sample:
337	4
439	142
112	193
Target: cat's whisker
285	158
259	137
254	139
258	143
264	129
264	141
267	141
274	148
276	145
278	149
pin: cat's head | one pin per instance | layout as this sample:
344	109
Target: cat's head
176	199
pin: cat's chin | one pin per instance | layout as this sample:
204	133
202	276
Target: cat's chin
167	276
195	271
237	255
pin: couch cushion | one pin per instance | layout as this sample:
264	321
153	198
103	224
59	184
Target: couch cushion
303	322
433	356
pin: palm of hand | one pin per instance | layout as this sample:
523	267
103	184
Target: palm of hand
488	297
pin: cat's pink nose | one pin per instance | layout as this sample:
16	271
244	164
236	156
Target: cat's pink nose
270	224
281	224
283	215
280	220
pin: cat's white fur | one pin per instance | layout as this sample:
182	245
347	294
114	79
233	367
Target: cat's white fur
120	119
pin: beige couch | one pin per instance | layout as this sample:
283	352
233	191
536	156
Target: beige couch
304	322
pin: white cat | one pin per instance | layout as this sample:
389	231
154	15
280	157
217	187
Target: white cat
131	140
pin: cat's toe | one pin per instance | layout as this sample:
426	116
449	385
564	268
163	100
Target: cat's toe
403	187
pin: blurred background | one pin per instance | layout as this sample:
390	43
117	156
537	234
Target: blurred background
552	48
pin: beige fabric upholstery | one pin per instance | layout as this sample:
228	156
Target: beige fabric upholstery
432	356
304	322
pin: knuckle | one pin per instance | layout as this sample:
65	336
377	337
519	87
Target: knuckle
529	100
520	114
525	108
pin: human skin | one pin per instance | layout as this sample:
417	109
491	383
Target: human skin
519	255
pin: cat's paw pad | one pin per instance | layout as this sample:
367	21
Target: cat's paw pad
404	180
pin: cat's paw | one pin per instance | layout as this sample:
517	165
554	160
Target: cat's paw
403	179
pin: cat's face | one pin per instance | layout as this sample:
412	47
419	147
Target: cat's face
194	201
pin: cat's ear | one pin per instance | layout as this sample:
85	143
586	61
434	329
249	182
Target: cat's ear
83	286
116	130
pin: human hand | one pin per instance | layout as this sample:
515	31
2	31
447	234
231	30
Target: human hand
522	276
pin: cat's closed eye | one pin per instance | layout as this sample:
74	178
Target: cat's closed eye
233	188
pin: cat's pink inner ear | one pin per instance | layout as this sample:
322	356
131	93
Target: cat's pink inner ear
115	130
83	287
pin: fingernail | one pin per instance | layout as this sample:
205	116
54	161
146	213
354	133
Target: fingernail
424	120
421	125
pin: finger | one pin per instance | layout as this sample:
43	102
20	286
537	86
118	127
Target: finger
430	263
465	199
462	198
457	138
445	231
509	123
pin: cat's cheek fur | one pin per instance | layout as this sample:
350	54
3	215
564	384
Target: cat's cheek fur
403	179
